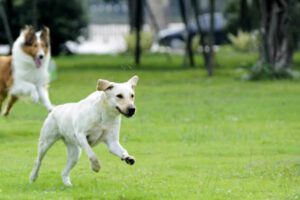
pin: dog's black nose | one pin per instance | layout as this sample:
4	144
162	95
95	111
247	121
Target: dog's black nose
131	111
41	56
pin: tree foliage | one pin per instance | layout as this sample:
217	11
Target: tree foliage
240	17
66	19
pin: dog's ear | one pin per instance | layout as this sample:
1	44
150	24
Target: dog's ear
45	34
27	27
103	85
133	81
29	35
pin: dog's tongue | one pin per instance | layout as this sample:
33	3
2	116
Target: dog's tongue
38	62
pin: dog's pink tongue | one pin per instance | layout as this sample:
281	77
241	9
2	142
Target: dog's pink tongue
38	62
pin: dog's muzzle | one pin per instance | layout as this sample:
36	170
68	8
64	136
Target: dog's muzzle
130	111
39	60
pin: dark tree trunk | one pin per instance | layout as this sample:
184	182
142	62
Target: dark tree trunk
5	19
188	38
211	39
205	54
34	14
138	26
9	10
132	13
276	51
245	19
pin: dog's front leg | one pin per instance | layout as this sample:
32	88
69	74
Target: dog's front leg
81	139
20	88
116	148
44	96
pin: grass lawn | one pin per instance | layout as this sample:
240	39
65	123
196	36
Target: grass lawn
193	137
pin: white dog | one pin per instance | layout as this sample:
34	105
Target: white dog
86	123
30	61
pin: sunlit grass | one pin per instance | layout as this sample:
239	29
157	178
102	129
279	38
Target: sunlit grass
193	137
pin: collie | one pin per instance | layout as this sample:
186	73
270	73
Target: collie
25	72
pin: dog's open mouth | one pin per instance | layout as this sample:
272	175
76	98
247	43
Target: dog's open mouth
120	111
38	62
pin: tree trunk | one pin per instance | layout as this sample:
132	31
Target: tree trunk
245	19
6	24
211	39
138	26
276	51
157	13
131	14
196	7
34	14
188	38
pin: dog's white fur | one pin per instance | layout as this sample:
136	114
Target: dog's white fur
86	123
28	79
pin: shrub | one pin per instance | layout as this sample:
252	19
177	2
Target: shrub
146	41
244	41
196	43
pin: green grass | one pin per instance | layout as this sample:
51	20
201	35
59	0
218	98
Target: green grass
194	137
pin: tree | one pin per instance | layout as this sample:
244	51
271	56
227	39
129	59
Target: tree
5	14
211	40
138	26
132	13
66	20
276	51
207	41
188	36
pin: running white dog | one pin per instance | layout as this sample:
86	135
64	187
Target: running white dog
86	123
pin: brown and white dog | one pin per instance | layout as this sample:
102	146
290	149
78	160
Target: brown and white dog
25	72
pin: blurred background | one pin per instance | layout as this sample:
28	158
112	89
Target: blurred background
182	27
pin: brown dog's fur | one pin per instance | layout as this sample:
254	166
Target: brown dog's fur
6	79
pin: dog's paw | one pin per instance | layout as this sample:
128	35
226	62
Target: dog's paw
67	181
95	164
5	114
129	160
33	177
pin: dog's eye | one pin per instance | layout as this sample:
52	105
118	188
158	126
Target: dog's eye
132	96
44	45
35	45
120	96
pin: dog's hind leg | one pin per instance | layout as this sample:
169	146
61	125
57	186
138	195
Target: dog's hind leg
12	100
73	155
49	136
3	96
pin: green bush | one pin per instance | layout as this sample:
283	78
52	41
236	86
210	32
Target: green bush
196	43
243	41
146	41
